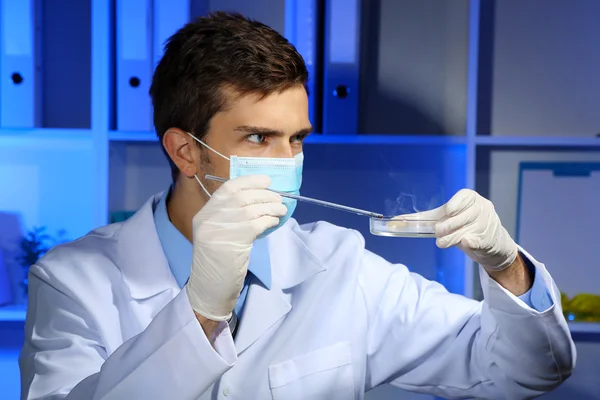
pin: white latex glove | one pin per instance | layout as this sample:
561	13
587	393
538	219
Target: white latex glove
470	222
224	231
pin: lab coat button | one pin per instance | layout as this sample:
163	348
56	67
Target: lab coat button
225	392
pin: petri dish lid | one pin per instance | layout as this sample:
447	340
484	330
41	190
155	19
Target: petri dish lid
407	226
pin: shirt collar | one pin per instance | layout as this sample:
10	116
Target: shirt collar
178	249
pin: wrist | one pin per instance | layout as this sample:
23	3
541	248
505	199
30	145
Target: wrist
208	326
516	278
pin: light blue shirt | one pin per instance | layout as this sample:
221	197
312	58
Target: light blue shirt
178	251
538	296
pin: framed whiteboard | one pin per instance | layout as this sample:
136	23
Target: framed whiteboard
558	221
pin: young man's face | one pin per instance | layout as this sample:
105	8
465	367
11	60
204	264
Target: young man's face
274	126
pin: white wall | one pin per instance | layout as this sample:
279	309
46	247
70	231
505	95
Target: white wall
417	83
43	182
137	171
545	71
504	177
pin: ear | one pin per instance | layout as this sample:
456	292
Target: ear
182	150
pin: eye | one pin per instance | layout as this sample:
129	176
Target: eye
256	138
298	138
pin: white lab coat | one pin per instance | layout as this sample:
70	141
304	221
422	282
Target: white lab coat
107	320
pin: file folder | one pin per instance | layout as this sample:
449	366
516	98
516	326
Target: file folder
169	17
19	76
341	66
5	282
300	28
558	220
134	64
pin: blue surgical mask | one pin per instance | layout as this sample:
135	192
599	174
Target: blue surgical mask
285	174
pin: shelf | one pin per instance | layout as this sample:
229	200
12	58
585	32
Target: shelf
537	141
8	135
584	327
45	133
48	138
120	136
13	313
504	141
418	140
124	136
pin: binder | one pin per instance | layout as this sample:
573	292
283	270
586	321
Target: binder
134	64
169	17
341	66
20	98
5	283
558	221
301	19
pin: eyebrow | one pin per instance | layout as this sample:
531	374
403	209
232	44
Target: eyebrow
257	130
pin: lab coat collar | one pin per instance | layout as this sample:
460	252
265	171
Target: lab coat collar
140	257
262	310
287	249
146	271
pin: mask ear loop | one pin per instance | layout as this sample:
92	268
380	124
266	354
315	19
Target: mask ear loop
207	146
202	186
210	148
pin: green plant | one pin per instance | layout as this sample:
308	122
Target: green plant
33	246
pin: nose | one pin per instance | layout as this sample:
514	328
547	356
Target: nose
284	149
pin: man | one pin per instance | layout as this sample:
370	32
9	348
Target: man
211	291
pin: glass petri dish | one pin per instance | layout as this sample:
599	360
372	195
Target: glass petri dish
409	227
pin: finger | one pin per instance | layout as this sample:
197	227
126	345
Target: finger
462	200
430	215
470	242
257	196
246	182
260	225
452	239
256	211
453	224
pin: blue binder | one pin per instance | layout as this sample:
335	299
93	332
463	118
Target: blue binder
19	77
301	19
558	221
134	64
169	16
341	67
5	283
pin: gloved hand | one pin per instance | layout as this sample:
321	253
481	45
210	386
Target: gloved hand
223	233
470	222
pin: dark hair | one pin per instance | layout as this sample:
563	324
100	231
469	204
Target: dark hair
222	50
